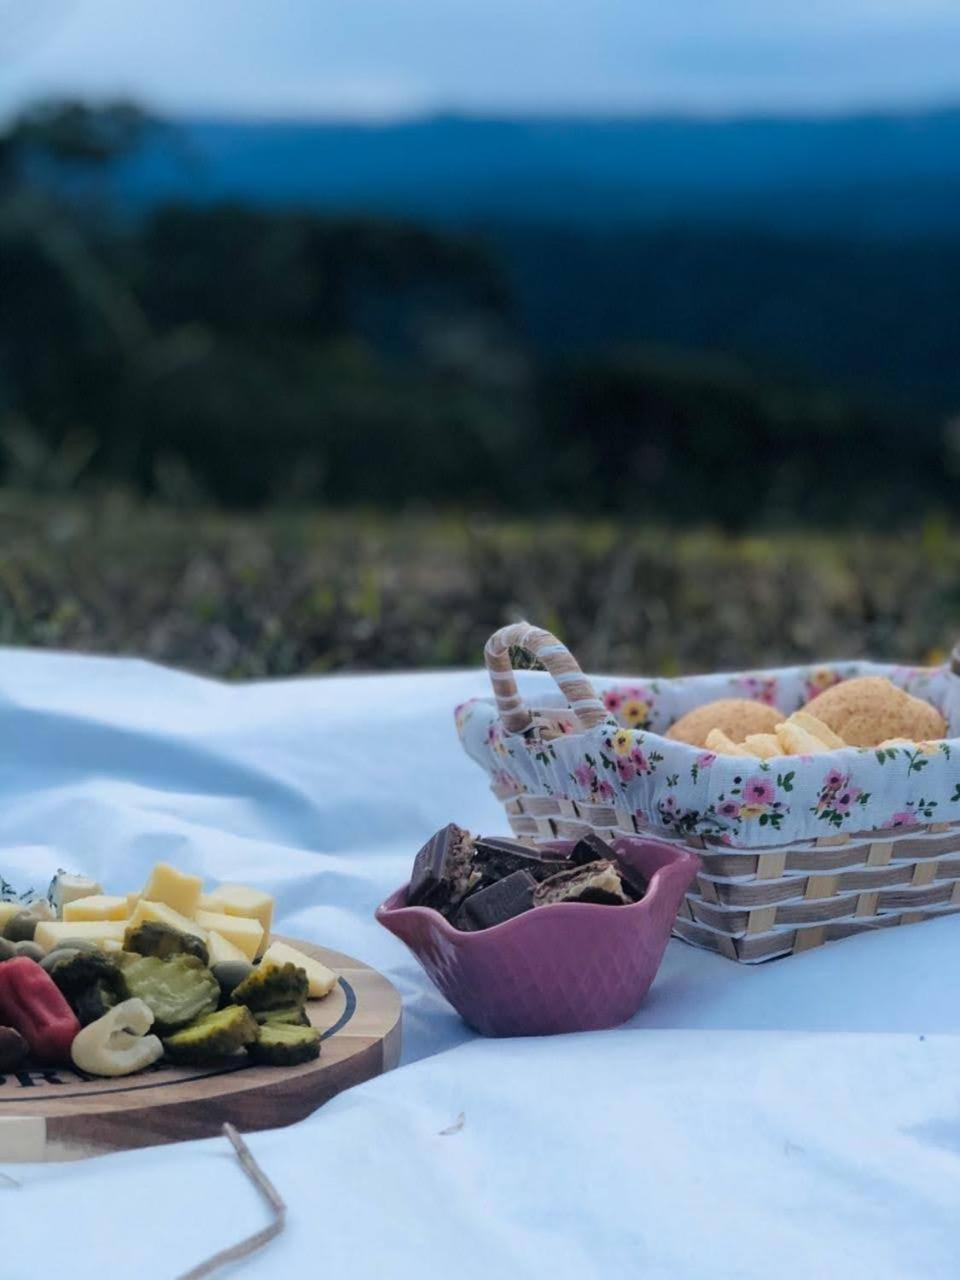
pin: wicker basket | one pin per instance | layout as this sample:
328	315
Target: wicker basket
749	903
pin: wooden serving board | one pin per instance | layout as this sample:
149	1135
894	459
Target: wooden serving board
58	1114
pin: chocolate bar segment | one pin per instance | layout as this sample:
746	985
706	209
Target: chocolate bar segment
442	870
479	883
496	857
590	848
595	882
501	901
635	883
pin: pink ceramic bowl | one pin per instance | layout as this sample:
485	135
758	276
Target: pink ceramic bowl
572	966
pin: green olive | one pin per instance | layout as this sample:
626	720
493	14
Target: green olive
22	926
55	957
230	973
7	949
30	949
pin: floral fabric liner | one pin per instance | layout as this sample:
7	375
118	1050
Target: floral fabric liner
680	790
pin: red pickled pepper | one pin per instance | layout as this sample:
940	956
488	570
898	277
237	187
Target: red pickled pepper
31	1003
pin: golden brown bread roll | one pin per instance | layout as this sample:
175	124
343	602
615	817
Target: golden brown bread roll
736	717
869	710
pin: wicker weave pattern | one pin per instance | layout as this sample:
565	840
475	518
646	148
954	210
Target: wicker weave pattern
756	905
747	904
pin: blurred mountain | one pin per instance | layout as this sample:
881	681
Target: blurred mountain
873	175
740	322
802	242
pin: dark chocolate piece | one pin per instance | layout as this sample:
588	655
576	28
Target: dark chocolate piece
590	848
635	883
501	901
595	882
496	857
442	869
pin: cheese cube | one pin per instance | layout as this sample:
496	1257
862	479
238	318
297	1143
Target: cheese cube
240	900
99	906
67	888
322	980
221	950
175	888
162	914
8	910
243	933
50	932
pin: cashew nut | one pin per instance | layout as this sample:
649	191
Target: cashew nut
117	1043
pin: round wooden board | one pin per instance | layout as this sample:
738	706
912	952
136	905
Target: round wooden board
56	1114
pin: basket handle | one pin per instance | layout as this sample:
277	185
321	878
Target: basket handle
557	659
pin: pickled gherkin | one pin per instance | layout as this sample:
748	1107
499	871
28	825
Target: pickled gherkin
293	1015
274	987
215	1035
151	938
280	1045
91	983
179	989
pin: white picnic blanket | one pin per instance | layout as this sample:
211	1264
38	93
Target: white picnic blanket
797	1119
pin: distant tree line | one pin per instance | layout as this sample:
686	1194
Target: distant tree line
241	356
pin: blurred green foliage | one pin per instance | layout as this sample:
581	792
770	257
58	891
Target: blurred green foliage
225	355
279	594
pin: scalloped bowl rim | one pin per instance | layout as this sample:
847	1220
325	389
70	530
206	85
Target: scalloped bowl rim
679	857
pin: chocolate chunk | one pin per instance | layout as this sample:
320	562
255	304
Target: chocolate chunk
590	848
496	857
595	882
488	846
501	901
442	869
635	883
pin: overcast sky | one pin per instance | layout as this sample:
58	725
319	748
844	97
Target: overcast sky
387	57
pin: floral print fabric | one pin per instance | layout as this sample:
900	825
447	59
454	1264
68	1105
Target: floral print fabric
680	790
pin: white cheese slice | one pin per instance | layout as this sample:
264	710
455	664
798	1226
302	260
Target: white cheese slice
221	950
242	932
175	888
322	980
163	914
50	932
241	900
99	906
